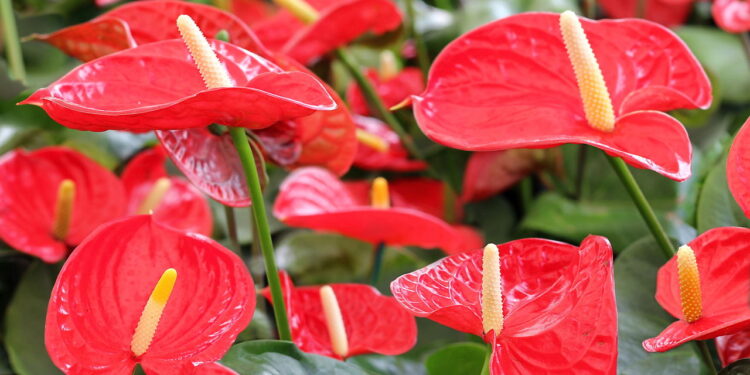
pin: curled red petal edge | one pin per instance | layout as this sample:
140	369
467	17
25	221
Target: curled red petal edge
738	174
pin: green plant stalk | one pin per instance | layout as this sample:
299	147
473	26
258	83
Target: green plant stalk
706	355
578	190
374	100
261	222
377	263
232	228
746	44
487	361
640	8
589	9
423	58
631	185
12	44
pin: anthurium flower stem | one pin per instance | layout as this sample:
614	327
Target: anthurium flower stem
12	44
631	185
746	44
374	100
232	228
656	229
261	222
487	361
422	57
377	263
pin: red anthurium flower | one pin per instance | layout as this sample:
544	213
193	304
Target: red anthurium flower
737	168
665	12
392	86
732	15
705	286
172	200
732	348
162	298
545	307
314	198
393	156
344	320
523	91
157	86
52	198
490	173
329	24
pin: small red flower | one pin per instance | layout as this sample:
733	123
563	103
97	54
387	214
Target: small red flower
372	323
732	15
392	90
110	309
511	84
173	201
395	158
314	198
337	23
546	307
738	162
490	173
52	198
157	86
707	291
665	12
732	348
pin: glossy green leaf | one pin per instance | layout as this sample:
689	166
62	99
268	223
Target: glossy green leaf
640	317
461	358
265	357
24	322
387	365
716	205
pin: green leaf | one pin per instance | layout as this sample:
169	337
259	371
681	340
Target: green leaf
320	258
266	357
720	52
387	365
260	326
25	321
716	205
461	358
640	317
741	367
494	217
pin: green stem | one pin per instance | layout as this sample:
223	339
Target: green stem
377	263
706	354
12	44
242	145
642	204
581	173
232	229
487	361
374	100
589	9
423	57
746	44
640	8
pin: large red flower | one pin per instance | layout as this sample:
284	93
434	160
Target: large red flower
490	173
173	201
30	184
732	15
558	315
511	84
665	12
732	348
722	256
100	294
392	90
395	158
314	198
738	168
338	23
373	322
157	86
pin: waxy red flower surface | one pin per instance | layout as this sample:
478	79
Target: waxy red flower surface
324	138
157	86
732	15
182	207
92	316
510	84
339	22
314	198
732	348
396	158
374	323
490	173
665	12
738	168
559	304
722	255
29	183
392	90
